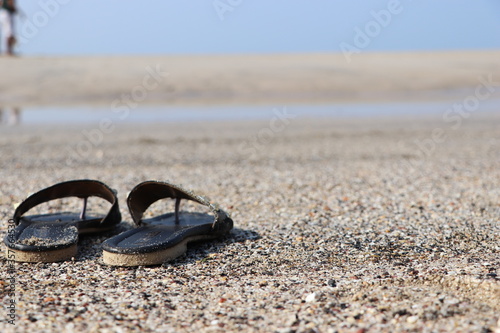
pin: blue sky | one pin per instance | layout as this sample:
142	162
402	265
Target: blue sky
53	27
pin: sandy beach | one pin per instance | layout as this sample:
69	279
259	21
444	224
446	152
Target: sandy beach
340	226
243	79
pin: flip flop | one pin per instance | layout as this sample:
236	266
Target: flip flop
54	237
165	237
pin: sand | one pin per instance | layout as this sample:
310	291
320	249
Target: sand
341	225
243	79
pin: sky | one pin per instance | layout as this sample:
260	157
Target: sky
94	27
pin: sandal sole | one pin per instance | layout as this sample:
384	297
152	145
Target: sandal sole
50	255
42	256
152	258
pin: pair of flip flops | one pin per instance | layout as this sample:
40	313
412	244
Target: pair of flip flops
54	237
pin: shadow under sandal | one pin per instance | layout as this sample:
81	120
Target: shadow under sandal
54	237
163	238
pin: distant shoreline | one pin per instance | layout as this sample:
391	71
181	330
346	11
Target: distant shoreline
197	80
149	114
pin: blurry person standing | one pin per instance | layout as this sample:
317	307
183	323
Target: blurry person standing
7	11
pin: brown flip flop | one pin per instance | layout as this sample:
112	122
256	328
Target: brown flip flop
163	238
54	237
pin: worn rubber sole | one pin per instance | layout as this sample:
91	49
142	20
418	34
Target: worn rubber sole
42	256
152	258
50	255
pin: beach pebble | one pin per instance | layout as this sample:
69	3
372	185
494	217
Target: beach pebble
340	225
311	298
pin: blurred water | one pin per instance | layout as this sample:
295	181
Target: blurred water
84	115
